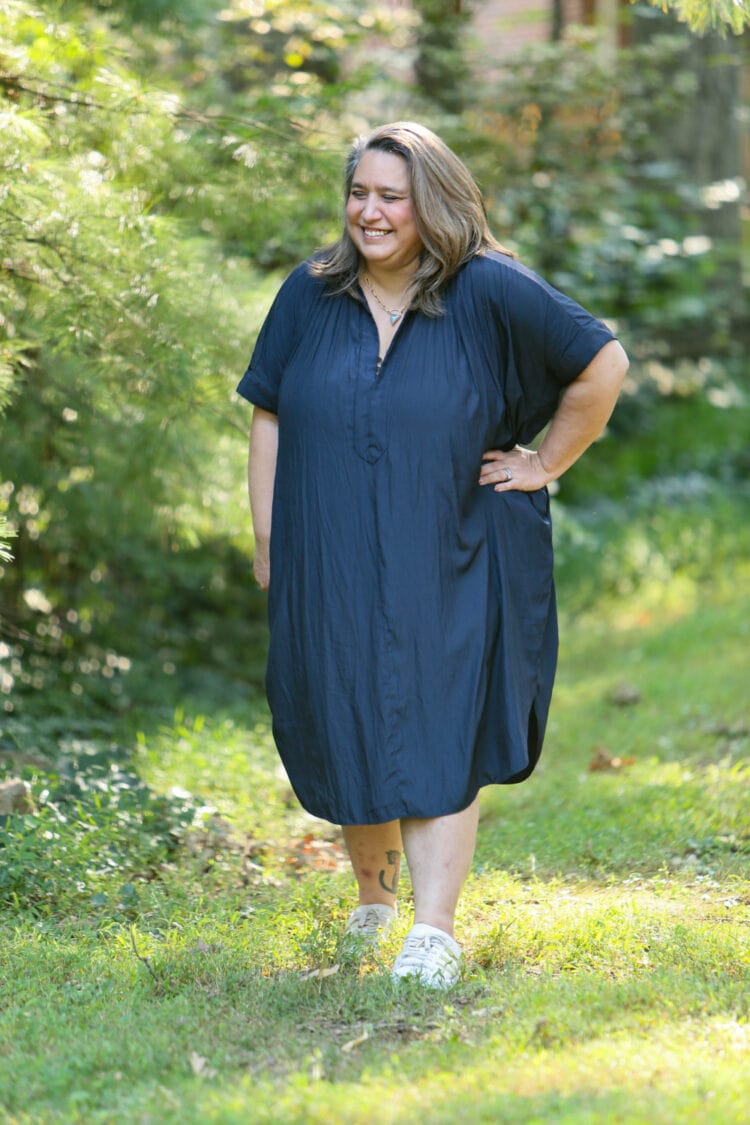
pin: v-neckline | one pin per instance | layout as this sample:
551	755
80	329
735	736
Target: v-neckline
383	353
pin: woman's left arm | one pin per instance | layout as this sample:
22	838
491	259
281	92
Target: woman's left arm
583	412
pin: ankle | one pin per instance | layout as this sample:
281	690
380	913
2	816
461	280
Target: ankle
437	920
377	899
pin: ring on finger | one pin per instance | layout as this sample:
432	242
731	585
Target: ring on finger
508	474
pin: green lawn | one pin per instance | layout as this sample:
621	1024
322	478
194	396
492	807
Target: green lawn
606	924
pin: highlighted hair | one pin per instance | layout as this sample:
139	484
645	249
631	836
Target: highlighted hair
448	211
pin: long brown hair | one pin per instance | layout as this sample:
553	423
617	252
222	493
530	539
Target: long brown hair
448	211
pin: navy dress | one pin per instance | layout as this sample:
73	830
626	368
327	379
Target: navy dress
413	631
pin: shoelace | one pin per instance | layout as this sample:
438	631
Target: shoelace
413	946
370	923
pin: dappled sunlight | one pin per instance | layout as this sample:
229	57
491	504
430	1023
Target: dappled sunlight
569	899
658	600
668	1056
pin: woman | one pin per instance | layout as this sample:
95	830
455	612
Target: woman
413	638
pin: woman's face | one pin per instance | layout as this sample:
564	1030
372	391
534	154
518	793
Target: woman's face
379	213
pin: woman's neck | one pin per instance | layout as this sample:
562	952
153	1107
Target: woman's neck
392	283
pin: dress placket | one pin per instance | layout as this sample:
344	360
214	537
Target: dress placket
370	393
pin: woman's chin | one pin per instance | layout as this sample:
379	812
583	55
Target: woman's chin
376	251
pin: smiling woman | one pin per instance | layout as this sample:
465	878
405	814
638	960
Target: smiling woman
394	165
380	216
402	528
381	224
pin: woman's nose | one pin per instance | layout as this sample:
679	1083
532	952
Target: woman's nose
371	207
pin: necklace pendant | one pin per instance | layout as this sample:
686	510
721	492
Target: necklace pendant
392	314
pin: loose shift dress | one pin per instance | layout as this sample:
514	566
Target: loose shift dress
413	630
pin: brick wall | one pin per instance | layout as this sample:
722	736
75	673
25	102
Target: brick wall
502	27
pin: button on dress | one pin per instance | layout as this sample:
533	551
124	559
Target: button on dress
413	630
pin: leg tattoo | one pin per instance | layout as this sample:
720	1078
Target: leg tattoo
394	860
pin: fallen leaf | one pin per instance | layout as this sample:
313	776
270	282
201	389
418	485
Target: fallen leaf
603	760
355	1042
319	854
199	1066
319	974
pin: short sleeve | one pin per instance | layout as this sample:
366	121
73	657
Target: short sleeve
546	341
276	343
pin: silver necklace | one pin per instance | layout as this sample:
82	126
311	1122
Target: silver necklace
393	314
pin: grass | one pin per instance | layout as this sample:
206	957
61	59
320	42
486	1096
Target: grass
606	923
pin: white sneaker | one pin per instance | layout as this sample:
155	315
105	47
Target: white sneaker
430	956
366	926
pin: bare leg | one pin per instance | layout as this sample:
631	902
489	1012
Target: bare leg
439	852
375	852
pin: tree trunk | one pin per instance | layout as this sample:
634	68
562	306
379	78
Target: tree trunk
704	141
557	21
440	67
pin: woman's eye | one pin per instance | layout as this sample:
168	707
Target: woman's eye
387	197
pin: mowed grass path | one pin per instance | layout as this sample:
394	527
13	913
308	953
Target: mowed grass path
606	929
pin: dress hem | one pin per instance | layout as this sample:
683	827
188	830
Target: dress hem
397	812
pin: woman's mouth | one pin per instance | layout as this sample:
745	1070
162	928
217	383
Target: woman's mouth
374	233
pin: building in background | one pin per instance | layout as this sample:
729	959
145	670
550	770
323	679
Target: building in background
502	27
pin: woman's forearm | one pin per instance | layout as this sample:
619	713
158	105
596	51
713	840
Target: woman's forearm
581	416
264	443
584	410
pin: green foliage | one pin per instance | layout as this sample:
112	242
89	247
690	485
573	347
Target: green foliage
440	67
707	15
6	535
567	149
156	11
130	215
652	514
128	333
125	326
97	827
134	631
678	529
271	85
